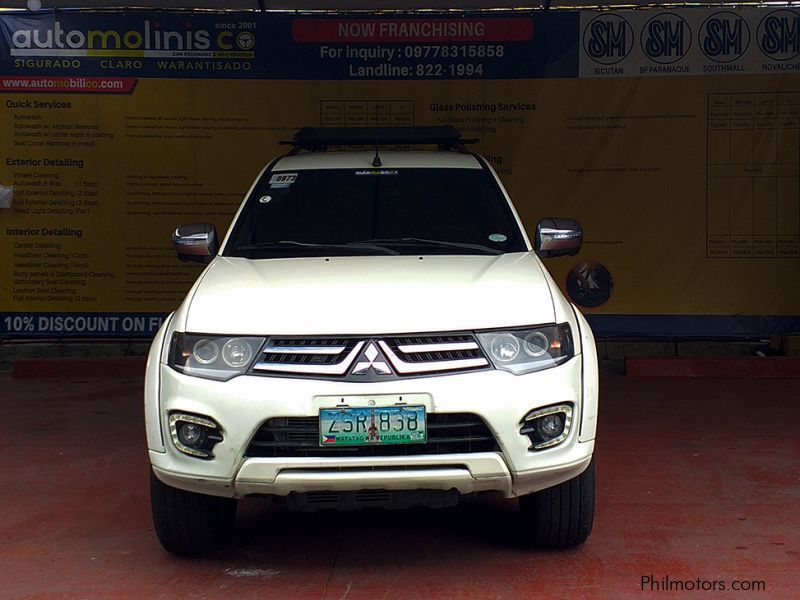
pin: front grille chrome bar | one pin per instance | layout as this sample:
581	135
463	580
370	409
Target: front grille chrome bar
406	368
443	347
328	350
339	368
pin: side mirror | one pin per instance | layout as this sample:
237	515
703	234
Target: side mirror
195	242
558	237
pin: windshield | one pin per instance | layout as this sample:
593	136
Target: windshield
352	212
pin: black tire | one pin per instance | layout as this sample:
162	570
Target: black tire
187	523
560	516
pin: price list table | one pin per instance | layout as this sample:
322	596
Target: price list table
753	175
358	113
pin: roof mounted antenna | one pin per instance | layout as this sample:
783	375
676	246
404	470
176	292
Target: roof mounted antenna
376	162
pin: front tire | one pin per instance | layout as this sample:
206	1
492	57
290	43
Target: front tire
187	523
560	516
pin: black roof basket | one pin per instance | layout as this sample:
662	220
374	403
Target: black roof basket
316	139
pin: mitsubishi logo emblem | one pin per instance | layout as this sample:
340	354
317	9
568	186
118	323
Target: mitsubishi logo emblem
371	358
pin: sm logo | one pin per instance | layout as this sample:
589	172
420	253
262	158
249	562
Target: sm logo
779	35
608	39
724	37
666	38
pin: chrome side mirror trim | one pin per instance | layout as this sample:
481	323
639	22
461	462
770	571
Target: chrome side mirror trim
195	242
558	237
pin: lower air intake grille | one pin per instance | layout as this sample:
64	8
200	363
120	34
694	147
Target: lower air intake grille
452	433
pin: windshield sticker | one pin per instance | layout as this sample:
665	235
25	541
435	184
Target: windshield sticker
497	237
377	172
282	180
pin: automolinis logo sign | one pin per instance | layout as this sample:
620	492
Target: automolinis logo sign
151	39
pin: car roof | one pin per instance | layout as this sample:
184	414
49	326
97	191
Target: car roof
390	159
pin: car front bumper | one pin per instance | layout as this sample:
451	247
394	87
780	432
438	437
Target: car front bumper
241	405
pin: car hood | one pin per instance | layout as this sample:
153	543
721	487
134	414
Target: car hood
369	295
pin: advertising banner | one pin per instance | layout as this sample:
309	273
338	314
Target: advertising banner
689	42
117	128
279	46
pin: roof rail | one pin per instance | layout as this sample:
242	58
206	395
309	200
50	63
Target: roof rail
316	139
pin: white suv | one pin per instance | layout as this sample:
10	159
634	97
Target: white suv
376	329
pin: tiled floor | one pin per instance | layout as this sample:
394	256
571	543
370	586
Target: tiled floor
698	482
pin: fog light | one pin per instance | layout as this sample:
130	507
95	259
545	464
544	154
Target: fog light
550	426
191	434
547	427
194	435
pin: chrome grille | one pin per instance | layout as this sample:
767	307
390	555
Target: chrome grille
308	356
306	351
440	348
336	356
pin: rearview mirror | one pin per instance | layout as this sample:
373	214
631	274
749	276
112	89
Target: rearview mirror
558	237
195	242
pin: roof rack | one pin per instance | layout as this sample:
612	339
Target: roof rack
316	139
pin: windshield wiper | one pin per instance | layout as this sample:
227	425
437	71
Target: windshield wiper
282	244
413	241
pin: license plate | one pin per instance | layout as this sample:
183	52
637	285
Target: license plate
374	425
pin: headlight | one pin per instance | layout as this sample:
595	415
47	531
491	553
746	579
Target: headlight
522	351
212	356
